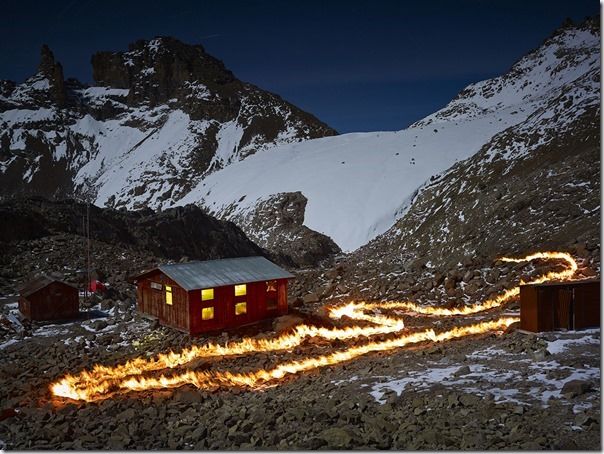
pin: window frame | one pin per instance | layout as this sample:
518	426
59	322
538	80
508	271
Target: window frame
239	305
205	290
213	313
238	287
169	295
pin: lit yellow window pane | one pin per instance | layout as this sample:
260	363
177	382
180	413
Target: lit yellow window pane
207	294
240	308
207	313
169	295
240	290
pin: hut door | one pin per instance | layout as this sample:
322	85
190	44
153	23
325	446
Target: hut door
564	309
146	300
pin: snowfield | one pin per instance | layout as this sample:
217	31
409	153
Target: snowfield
357	185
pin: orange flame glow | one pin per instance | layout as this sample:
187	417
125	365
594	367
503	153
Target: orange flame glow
102	382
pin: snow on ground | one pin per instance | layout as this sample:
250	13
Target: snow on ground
8	342
508	377
561	344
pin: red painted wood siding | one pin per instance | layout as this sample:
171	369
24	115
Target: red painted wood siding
185	313
56	301
153	301
224	306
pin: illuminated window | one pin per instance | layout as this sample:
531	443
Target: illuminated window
240	308
271	286
169	295
207	313
207	294
240	290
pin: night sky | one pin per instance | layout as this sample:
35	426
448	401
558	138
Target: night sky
357	65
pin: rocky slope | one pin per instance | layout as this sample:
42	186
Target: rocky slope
185	232
534	186
277	224
158	118
359	185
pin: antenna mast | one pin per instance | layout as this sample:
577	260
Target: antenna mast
88	244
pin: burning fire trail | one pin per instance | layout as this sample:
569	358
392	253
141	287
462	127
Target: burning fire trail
205	380
491	303
102	382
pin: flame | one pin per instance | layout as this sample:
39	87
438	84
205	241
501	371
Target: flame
491	303
102	382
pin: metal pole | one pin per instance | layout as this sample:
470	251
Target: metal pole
88	240
84	238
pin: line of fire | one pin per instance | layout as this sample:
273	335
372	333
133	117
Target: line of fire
206	297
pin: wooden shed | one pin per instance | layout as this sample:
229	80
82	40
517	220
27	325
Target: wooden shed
46	298
560	305
196	297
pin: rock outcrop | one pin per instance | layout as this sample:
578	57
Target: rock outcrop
53	71
173	234
161	116
277	224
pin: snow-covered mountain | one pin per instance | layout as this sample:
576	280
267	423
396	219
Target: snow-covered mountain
358	185
159	117
166	125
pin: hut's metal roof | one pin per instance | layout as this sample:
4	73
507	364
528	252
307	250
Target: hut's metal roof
38	283
217	273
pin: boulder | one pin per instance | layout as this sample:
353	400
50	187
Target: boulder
464	370
575	388
311	298
99	324
286	322
336	437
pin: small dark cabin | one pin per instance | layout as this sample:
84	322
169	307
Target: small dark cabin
560	305
196	297
46	298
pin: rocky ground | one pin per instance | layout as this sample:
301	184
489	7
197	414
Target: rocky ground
514	391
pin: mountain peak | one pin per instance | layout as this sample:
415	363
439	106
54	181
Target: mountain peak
47	60
53	71
156	70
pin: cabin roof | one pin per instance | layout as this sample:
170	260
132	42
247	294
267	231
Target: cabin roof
38	283
218	273
565	283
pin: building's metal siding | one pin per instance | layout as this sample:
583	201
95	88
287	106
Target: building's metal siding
563	305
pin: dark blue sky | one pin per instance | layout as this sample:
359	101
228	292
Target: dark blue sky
357	65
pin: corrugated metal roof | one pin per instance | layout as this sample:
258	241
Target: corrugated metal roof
217	273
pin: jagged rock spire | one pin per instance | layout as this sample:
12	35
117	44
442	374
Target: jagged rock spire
53	71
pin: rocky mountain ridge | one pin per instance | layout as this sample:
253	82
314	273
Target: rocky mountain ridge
534	186
158	131
177	234
359	185
158	118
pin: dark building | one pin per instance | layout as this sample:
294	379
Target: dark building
204	296
46	298
560	305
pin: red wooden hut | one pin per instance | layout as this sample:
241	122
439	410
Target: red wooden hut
46	298
204	296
